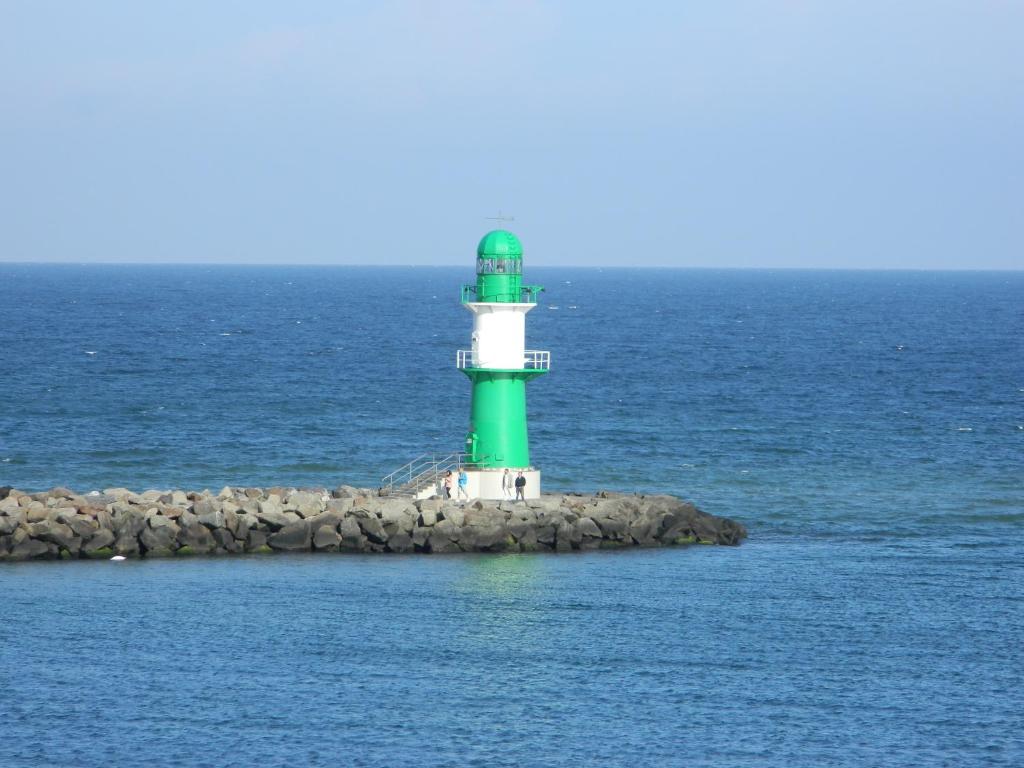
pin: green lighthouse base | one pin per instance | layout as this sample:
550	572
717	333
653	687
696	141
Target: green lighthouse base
498	436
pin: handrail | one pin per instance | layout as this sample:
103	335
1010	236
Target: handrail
533	360
424	470
531	293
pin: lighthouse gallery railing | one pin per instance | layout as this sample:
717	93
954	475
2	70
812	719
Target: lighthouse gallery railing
533	360
527	294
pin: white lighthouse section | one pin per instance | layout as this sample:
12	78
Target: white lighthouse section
499	334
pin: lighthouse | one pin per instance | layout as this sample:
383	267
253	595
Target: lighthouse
499	366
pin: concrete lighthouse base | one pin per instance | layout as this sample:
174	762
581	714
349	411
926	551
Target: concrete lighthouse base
486	484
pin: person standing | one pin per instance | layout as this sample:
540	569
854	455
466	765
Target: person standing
463	482
520	487
448	484
506	484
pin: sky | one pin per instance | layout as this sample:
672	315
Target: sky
792	133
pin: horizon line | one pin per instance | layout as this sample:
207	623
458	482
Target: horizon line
534	266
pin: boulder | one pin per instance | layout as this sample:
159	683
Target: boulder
29	548
273	516
340	506
127	544
304	503
225	540
373	529
400	542
58	533
352	537
101	539
242	525
9	522
485	538
83	525
196	537
326	538
588	528
255	540
213	519
292	537
324	519
161	538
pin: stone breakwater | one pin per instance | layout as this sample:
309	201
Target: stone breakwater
60	524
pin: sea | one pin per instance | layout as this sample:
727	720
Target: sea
867	428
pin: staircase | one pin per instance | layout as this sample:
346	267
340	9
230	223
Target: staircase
421	476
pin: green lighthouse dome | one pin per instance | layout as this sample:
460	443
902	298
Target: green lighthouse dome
500	243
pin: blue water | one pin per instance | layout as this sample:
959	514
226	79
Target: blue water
867	427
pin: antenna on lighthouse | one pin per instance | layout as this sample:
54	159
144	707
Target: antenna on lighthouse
499	217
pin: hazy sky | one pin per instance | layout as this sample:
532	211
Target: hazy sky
767	134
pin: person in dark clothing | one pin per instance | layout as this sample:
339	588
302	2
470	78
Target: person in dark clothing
520	487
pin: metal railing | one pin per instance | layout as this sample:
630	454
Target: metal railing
422	472
527	294
533	360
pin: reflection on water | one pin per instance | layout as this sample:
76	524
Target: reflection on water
501	594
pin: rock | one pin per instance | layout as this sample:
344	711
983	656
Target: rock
292	537
225	540
162	537
351	535
420	537
304	503
127	544
58	533
179	499
456	516
373	529
485	538
427	518
242	524
213	519
30	548
565	536
400	542
329	519
205	506
36	512
83	525
255	540
9	522
440	545
102	539
588	528
326	539
340	506
196	537
274	518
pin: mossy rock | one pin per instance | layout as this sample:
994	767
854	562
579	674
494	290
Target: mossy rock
612	544
185	551
263	549
160	552
103	553
680	540
66	555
